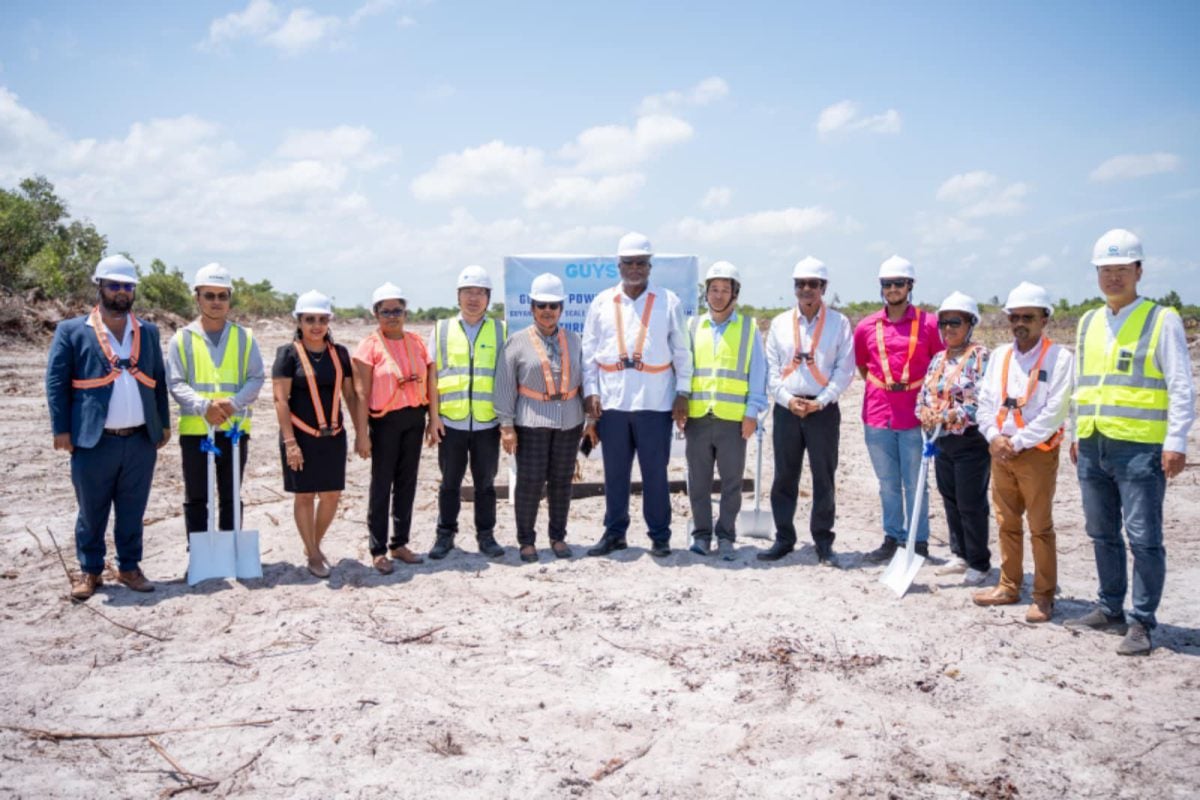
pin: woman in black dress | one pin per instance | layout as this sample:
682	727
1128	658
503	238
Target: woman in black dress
312	439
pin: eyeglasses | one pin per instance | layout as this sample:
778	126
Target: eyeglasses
635	262
215	297
1015	318
809	283
951	322
392	312
550	306
314	319
894	283
118	286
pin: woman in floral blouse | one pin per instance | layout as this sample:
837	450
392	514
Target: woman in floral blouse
963	464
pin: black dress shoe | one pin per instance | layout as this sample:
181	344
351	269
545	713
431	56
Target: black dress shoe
607	545
884	552
442	547
776	551
660	550
701	545
529	557
922	549
490	548
828	558
561	549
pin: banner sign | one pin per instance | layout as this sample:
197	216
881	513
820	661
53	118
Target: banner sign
584	277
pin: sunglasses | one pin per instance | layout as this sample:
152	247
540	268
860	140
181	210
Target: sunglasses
314	319
392	312
635	262
1015	318
952	322
119	286
215	297
544	306
898	283
809	283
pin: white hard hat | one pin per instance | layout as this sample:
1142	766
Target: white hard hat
389	291
1030	295
634	244
313	303
897	267
474	275
957	301
723	269
115	268
547	288
1118	246
213	275
810	267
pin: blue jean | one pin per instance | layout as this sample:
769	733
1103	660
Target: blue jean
1125	481
115	475
896	458
648	434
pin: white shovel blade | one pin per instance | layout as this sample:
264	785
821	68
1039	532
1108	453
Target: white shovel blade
212	555
756	524
900	573
249	560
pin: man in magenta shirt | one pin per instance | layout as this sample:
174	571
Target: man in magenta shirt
892	349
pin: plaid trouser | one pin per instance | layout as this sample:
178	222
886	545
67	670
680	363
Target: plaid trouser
545	460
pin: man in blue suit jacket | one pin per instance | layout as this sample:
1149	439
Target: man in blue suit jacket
107	390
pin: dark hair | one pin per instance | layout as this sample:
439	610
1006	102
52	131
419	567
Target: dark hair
489	291
300	335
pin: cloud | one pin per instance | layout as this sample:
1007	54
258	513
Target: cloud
577	190
844	117
343	143
489	169
761	224
608	148
1040	263
300	30
980	194
1128	167
716	197
937	231
966	187
256	19
703	93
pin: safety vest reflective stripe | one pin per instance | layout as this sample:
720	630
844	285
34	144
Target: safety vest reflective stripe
116	365
942	395
212	381
562	392
720	380
1018	405
886	382
636	361
326	426
466	372
1119	391
809	358
410	384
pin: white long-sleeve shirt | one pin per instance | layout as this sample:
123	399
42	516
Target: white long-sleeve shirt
834	357
1048	407
667	342
125	406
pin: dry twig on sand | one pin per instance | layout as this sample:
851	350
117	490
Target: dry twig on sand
446	746
123	626
69	736
410	639
615	763
194	781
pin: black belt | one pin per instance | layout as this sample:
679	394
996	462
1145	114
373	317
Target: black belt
806	396
124	431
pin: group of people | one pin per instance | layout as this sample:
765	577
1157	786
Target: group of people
640	371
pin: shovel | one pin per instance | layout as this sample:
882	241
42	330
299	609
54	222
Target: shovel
906	563
757	523
248	559
211	553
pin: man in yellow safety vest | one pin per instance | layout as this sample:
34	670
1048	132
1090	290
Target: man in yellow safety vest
214	372
1134	405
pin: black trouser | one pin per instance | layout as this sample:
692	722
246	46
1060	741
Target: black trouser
481	450
195	480
545	459
964	468
395	456
818	434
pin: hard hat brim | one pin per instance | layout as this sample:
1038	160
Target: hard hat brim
635	251
1114	261
299	311
544	297
119	278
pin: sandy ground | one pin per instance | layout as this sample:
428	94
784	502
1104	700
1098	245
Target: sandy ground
611	677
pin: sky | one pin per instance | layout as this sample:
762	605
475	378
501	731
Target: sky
338	145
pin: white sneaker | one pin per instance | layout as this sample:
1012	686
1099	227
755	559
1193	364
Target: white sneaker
973	577
955	566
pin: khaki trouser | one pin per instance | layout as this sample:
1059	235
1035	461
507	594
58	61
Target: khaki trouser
1026	485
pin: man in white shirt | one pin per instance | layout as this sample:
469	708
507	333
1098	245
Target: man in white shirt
636	374
1023	402
810	362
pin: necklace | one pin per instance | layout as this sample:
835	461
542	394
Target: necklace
316	357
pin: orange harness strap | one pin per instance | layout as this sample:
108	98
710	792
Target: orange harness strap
942	396
886	382
563	393
404	383
636	362
809	359
325	427
1017	404
116	365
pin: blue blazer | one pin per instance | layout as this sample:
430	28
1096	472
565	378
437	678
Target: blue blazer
75	354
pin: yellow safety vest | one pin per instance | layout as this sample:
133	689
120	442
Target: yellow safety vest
1118	389
210	381
721	380
467	376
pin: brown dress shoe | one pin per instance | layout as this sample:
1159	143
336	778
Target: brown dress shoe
383	564
406	555
135	580
1040	611
84	586
996	597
